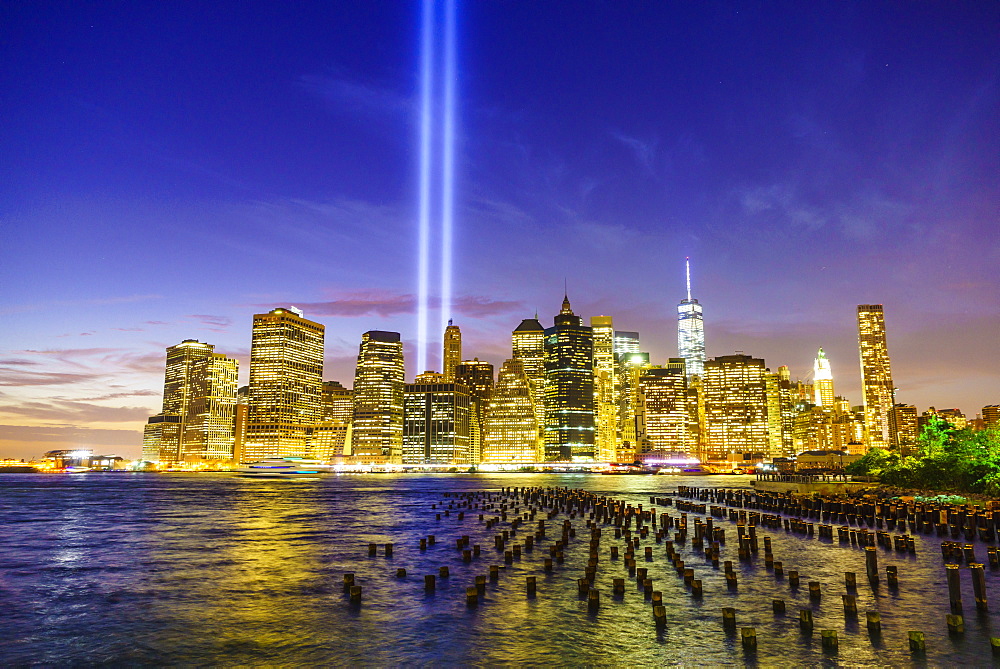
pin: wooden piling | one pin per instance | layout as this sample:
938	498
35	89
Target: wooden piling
954	587
400	573
660	616
892	576
593	599
917	643
472	596
850	605
830	640
956	624
531	584
778	606
372	550
979	585
355	594
806	620
814	590
749	638
729	618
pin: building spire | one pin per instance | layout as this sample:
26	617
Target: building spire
687	264
566	309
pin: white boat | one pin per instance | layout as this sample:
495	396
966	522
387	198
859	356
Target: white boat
284	468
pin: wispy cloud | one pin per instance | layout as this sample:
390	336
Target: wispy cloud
77	435
214	323
14	377
357	97
22	308
72	411
643	150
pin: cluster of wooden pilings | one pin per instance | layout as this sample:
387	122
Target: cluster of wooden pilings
953	520
528	516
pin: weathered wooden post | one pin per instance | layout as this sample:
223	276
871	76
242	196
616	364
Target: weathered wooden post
954	587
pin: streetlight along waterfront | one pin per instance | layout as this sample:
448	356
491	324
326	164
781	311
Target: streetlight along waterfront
272	564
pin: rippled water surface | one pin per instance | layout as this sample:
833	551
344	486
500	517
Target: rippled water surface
217	569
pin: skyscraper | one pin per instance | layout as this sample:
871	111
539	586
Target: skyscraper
822	381
436	424
626	342
377	425
452	354
569	388
286	375
604	387
663	412
735	406
691	331
780	413
331	435
630	368
904	417
876	377
528	346
199	402
477	376
510	431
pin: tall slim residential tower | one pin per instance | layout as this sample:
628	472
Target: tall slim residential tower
876	377
569	388
452	354
822	381
528	346
377	425
510	433
286	377
691	331
604	387
199	403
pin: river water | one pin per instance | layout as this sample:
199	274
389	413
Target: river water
218	569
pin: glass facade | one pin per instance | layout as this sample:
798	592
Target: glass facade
876	377
436	424
377	426
510	433
735	406
286	374
569	388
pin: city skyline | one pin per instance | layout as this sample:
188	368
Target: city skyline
806	166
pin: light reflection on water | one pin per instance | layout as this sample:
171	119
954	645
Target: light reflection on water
166	569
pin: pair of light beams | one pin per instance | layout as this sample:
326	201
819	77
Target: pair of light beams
437	162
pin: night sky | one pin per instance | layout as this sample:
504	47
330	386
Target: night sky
169	169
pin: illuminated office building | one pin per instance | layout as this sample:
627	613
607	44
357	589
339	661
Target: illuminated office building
991	415
626	342
330	437
691	331
735	406
452	354
436	424
528	346
240	418
199	402
780	414
876	377
662	415
604	387
377	423
630	367
477	376
286	375
510	430
905	419
569	388
822	381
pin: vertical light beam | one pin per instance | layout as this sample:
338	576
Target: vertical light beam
448	161
426	108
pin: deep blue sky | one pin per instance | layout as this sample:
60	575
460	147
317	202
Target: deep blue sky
169	169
